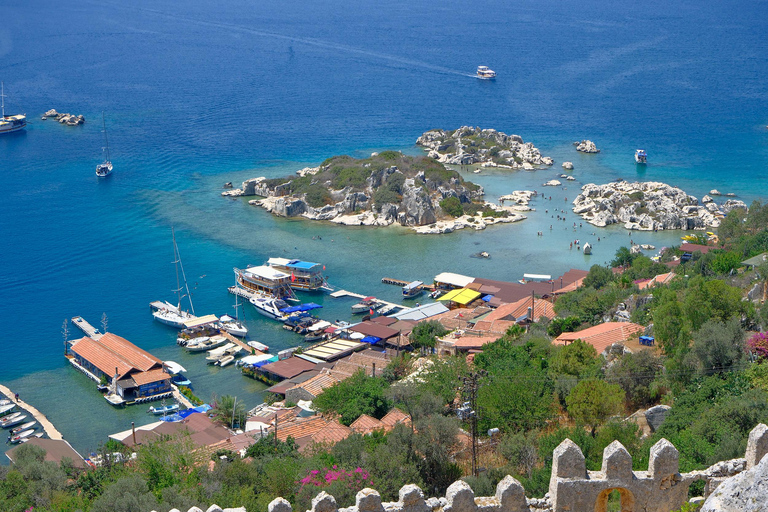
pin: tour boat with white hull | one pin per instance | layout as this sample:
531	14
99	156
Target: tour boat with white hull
269	306
485	73
413	289
266	281
167	313
305	275
10	123
104	169
367	304
641	156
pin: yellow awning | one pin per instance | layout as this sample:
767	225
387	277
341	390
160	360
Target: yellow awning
462	296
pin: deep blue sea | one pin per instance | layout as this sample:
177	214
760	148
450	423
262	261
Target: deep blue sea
199	93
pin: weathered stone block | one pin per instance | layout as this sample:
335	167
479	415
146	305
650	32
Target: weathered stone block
324	502
617	462
664	460
279	505
368	500
757	445
461	497
511	495
568	461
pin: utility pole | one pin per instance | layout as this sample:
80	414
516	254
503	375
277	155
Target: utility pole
468	410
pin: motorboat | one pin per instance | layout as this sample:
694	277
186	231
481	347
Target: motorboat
191	342
314	338
641	156
213	342
164	409
269	306
413	289
10	123
4	401
23	427
485	73
38	435
15	421
233	326
224	361
9	418
367	304
22	435
216	354
258	346
180	380
7	407
104	169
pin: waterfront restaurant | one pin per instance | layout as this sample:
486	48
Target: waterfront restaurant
134	372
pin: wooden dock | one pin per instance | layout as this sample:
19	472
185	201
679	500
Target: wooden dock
346	293
50	430
401	283
87	328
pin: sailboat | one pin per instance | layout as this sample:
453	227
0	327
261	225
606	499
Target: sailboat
13	123
232	324
104	169
166	312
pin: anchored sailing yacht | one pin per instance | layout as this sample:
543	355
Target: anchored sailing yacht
104	168
12	123
168	313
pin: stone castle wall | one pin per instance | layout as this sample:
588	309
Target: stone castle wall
571	488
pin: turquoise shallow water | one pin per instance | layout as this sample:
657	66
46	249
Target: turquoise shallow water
225	92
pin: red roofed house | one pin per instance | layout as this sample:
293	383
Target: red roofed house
315	429
659	279
603	335
507	315
366	424
139	374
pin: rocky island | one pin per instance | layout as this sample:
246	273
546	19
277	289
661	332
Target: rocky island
649	206
64	118
387	188
489	148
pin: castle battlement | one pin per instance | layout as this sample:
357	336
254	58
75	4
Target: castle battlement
571	487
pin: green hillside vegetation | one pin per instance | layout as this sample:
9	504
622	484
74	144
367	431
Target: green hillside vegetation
710	363
340	172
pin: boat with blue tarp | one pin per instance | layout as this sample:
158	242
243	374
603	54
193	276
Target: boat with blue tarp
305	275
413	289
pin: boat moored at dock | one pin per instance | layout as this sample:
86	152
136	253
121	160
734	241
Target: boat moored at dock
367	304
265	281
305	275
413	289
23	427
164	409
21	436
269	306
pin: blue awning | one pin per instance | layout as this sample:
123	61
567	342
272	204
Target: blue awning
309	306
371	339
487	298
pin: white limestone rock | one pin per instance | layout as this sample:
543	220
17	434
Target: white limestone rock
587	146
552	183
714	192
744	492
568	166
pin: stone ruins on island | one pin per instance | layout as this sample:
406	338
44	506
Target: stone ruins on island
649	206
738	485
489	148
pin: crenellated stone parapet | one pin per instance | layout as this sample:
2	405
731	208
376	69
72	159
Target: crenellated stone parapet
571	488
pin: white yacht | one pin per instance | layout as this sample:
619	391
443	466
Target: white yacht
485	73
104	169
641	157
164	311
172	315
269	306
12	123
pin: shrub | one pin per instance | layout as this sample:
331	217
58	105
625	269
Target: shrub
452	206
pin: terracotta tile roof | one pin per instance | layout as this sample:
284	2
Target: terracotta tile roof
332	432
500	319
395	416
569	287
317	384
300	428
469	342
703	249
659	279
147	377
102	358
458	318
130	353
603	335
366	424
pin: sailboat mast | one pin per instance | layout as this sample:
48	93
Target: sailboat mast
2	96
183	276
176	260
106	141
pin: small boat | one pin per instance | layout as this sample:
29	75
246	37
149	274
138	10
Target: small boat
15	421
164	409
413	289
7	407
114	399
485	73
216	354
641	156
587	249
269	306
180	380
23	427
10	417
21	436
258	346
12	123
38	435
367	304
224	361
4	401
104	169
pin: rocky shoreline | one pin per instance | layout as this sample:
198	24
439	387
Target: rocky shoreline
487	147
649	206
385	189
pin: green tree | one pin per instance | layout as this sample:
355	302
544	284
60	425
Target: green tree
229	411
593	401
578	359
622	258
598	277
359	394
636	373
719	346
452	206
425	334
128	494
560	325
670	328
